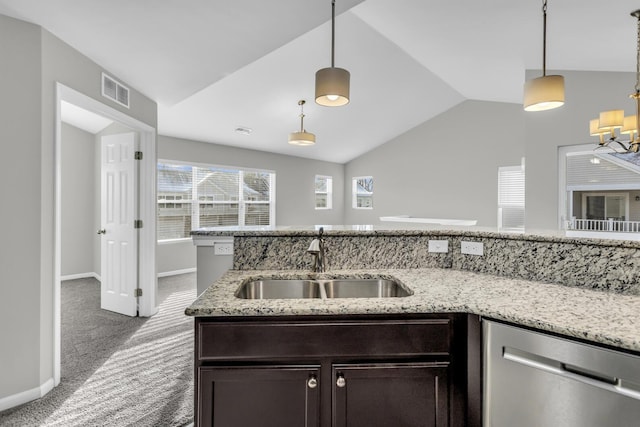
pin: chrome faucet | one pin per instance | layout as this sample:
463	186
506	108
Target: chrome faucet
317	249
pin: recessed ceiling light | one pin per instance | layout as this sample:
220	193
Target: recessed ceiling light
244	130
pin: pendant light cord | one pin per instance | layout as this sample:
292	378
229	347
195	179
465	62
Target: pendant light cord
544	38
333	31
638	57
301	103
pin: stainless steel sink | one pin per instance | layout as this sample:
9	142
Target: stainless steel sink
320	288
279	289
364	288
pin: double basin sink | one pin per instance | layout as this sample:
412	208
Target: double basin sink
322	289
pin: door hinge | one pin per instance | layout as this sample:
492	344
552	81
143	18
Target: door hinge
137	223
138	155
138	292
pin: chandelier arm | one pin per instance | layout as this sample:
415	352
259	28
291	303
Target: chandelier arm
624	147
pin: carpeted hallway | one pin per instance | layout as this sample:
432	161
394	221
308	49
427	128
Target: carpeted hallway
118	370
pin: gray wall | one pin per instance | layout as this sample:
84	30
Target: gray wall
33	60
586	95
78	201
20	182
446	167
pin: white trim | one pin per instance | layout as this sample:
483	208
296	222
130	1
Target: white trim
93	275
603	187
177	272
27	395
147	212
174	241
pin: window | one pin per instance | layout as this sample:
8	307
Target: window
598	192
605	206
192	197
324	192
362	191
511	198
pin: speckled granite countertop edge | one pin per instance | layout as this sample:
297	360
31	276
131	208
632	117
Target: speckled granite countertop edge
601	317
287	232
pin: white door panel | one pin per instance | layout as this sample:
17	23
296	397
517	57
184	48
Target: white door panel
119	239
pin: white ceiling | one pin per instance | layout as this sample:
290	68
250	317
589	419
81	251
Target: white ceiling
213	66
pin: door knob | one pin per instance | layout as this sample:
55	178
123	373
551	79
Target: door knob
341	382
312	382
103	231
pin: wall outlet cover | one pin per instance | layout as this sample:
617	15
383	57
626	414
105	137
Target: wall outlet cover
439	246
472	248
223	248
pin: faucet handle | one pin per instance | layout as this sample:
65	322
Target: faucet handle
314	247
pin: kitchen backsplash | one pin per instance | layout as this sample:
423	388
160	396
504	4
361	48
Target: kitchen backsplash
604	265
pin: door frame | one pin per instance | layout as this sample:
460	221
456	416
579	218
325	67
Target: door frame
147	208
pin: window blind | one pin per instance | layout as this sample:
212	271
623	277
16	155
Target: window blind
511	197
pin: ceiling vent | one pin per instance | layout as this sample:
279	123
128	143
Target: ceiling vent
115	91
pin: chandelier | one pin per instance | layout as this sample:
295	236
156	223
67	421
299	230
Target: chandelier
609	121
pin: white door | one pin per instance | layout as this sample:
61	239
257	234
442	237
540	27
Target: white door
119	246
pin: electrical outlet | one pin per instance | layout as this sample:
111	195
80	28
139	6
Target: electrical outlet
472	248
223	248
441	246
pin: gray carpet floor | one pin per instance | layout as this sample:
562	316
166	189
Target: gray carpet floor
118	370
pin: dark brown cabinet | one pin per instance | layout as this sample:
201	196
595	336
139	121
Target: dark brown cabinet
269	396
391	395
356	371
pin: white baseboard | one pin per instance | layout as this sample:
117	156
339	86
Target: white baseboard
80	276
176	272
26	396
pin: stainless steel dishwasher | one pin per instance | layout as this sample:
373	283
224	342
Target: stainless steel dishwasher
536	380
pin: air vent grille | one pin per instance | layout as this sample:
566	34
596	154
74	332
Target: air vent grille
115	91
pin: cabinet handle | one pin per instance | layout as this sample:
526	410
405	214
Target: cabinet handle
312	382
341	382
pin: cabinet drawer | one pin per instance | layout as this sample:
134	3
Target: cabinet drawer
269	340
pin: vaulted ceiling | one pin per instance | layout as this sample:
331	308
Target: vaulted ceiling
213	65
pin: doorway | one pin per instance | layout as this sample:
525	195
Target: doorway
146	201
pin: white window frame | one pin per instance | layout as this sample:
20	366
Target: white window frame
328	193
354	192
242	204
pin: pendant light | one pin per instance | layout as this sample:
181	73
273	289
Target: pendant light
332	84
545	92
302	138
608	121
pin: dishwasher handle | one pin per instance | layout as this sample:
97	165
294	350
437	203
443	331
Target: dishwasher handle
602	381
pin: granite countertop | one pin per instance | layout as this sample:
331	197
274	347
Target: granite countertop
602	317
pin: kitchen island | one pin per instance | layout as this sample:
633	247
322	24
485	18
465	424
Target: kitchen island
433	336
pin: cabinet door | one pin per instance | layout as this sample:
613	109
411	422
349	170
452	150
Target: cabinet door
269	396
390	395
